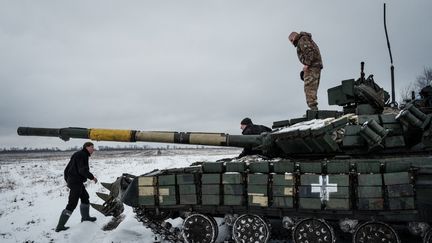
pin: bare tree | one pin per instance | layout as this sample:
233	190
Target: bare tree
406	93
424	79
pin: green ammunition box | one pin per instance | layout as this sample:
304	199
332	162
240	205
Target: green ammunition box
421	161
167	200
394	142
257	190
232	178
146	181
310	167
258	179
189	199
282	202
342	192
183	179
258	200
310	203
166	180
401	203
187	189
309	179
336	167
259	167
146	191
210	199
352	130
146	200
234	189
388	118
283	166
286	179
212	167
339	180
353	141
283	191
423	194
369	180
370	204
397	178
233	200
235	166
211	179
212	189
396	166
166	190
369	191
405	190
338	204
368	167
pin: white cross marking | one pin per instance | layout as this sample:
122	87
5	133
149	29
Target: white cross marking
324	188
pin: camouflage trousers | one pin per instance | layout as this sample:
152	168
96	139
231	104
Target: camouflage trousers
311	82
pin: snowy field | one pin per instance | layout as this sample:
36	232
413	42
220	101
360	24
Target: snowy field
33	193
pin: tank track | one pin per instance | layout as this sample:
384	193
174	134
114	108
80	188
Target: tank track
158	226
165	231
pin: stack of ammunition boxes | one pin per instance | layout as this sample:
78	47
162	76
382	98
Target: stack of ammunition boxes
167	190
370	188
210	189
283	184
399	190
187	189
146	190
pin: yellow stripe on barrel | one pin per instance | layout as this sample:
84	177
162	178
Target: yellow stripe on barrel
110	135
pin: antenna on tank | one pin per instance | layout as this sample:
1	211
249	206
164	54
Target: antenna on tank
393	101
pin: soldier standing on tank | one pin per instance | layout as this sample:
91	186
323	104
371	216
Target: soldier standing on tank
75	174
309	55
248	128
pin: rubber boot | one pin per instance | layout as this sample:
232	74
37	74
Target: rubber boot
84	209
62	221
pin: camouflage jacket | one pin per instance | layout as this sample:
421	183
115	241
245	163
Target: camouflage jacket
307	51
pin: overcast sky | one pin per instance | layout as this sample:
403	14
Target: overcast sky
189	65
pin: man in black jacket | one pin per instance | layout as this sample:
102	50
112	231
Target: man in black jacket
75	174
248	128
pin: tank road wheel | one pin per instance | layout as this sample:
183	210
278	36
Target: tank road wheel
428	236
250	228
199	228
313	230
371	232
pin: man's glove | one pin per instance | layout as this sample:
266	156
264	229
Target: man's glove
302	75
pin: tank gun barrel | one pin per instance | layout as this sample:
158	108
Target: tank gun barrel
117	135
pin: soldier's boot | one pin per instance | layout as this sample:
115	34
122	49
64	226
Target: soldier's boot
64	217
85	216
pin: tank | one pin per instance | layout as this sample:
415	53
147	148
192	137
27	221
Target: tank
362	173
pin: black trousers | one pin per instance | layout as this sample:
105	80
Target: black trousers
77	191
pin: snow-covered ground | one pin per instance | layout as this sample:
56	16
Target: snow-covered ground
33	193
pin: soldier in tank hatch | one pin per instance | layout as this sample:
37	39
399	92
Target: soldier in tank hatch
248	128
309	55
75	174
